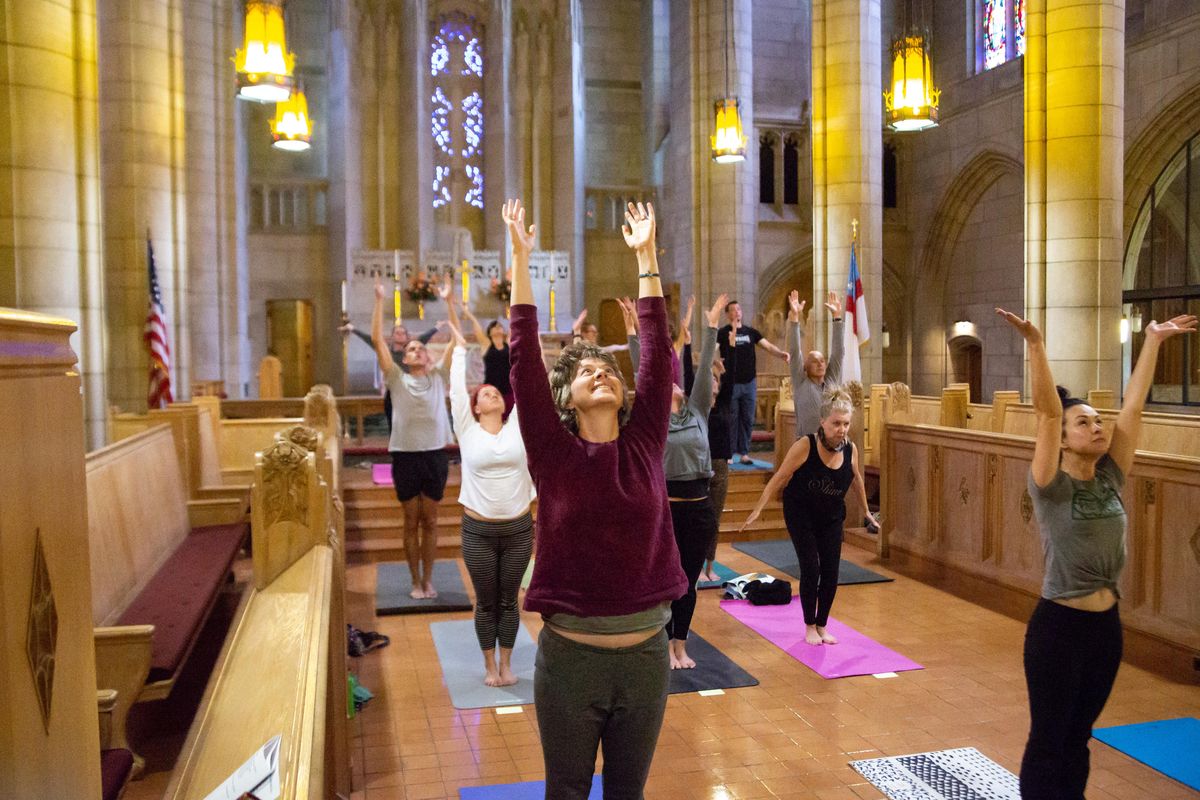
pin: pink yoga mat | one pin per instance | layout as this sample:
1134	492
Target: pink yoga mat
381	474
854	654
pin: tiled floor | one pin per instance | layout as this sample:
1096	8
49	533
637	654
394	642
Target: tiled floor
791	736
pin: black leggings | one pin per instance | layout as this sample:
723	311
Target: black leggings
718	487
694	523
496	555
1071	661
818	546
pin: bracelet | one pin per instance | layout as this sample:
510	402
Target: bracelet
648	275
837	319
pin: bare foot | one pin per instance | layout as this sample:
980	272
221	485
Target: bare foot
506	677
708	575
674	661
811	636
417	593
430	592
685	661
826	636
492	679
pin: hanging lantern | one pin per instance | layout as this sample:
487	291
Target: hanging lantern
292	127
264	66
912	104
728	141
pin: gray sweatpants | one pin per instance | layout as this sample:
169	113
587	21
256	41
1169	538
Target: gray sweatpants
589	697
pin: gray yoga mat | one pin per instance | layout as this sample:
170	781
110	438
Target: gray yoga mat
780	554
462	667
714	670
393	583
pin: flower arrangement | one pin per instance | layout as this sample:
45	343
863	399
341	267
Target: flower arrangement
501	289
421	288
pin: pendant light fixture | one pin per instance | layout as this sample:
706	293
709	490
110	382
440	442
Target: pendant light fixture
264	65
912	104
728	141
292	127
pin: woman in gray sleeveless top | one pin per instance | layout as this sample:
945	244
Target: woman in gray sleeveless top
1073	642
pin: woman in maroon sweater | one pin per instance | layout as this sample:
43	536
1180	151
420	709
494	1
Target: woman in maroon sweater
602	664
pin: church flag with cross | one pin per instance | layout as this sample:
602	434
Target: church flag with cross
856	330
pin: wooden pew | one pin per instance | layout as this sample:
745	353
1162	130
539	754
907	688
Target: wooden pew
49	736
152	563
284	629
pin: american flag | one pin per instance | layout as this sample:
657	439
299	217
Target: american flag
856	331
155	337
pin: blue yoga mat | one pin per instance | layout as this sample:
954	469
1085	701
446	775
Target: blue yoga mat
1171	746
529	790
757	466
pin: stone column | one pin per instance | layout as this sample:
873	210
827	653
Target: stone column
415	159
50	222
847	153
1074	169
142	182
567	163
712	250
212	308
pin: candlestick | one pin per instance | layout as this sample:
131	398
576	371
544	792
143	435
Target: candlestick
396	303
343	298
466	282
552	327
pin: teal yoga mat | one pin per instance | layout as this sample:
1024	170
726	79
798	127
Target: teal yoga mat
458	653
393	583
724	573
780	554
1171	746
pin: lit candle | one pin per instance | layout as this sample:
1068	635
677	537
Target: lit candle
396	302
552	328
466	282
343	297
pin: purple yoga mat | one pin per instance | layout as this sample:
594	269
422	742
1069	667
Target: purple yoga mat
381	474
854	654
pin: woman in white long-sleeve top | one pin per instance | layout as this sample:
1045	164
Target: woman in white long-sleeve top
497	529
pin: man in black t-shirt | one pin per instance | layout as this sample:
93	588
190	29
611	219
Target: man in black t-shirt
737	343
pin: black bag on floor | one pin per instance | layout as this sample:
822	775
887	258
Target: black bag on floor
774	593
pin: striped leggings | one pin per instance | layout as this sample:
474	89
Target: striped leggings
496	555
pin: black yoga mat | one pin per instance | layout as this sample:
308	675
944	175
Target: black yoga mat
780	554
714	670
393	583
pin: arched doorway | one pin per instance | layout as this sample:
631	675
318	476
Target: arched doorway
966	357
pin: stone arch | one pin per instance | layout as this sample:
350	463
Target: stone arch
790	271
984	169
1148	154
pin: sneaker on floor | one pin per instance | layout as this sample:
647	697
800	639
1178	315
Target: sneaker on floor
374	641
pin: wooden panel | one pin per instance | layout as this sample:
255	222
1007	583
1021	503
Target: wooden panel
41	470
281	631
242	438
210	457
980	523
137	516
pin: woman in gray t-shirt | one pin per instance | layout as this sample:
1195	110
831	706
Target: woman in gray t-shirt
1073	642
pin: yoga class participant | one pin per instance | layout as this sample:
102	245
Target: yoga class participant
688	469
399	341
584	331
1073	642
496	490
420	434
607	567
815	475
630	312
719	448
495	352
737	343
812	376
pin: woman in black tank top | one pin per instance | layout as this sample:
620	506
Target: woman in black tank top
494	344
815	475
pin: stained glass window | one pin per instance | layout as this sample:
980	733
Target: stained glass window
995	44
456	65
1019	26
473	126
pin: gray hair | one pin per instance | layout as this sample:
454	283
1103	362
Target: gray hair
564	372
836	399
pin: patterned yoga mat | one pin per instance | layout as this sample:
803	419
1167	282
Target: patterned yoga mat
961	774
